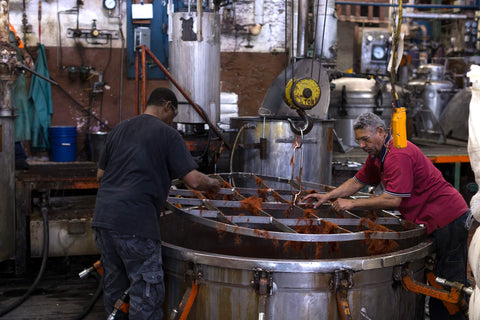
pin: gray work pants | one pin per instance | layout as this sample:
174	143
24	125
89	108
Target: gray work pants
132	262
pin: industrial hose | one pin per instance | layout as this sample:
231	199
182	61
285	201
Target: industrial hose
246	125
95	297
46	239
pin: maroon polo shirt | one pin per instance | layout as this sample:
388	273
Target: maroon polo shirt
407	173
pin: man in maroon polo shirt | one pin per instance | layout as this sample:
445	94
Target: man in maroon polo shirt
415	187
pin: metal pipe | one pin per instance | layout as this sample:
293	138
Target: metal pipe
187	97
302	25
199	21
445	16
418	6
137	83
144	78
259	4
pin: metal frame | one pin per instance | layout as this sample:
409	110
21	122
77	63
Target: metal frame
215	213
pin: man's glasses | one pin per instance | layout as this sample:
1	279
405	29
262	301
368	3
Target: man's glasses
362	139
175	110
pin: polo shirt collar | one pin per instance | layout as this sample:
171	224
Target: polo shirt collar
384	151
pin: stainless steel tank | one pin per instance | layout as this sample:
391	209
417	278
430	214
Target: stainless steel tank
7	184
431	90
261	265
326	30
280	158
354	96
195	63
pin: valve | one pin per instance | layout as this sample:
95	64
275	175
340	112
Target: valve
95	33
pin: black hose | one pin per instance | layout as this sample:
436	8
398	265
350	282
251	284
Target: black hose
46	243
82	108
95	297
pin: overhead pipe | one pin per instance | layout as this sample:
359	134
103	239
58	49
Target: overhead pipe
417	6
444	16
202	114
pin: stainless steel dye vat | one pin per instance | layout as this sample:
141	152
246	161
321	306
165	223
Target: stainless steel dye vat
195	64
281	158
354	96
261	266
430	92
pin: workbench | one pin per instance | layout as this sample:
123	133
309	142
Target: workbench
52	179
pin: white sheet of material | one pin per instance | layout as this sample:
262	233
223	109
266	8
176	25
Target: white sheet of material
474	135
474	154
474	256
474	305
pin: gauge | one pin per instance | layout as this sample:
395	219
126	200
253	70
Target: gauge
378	53
110	4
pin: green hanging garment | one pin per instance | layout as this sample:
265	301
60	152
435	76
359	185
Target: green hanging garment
40	100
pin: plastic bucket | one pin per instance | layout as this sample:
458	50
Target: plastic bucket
97	143
63	143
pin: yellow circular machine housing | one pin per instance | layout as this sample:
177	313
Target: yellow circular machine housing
302	94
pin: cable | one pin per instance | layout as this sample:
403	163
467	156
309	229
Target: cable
82	108
46	243
95	297
243	127
109	36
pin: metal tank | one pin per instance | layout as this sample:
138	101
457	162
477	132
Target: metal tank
326	30
8	60
7	180
262	265
267	146
354	96
430	90
195	63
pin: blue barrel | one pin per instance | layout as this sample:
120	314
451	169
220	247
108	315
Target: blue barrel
63	143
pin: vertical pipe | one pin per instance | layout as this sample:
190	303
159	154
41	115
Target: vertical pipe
137	82
199	21
144	80
302	26
7	139
259	4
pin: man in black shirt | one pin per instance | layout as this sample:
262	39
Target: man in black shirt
141	157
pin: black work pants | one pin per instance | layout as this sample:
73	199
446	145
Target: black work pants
451	250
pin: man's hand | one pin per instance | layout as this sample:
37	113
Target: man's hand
342	204
214	185
320	198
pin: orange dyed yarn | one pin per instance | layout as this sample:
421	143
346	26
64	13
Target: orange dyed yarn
252	204
377	246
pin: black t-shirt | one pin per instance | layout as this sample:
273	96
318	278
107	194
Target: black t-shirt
141	157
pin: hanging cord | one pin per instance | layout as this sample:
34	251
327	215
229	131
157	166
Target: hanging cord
246	125
298	145
286	45
94	298
396	41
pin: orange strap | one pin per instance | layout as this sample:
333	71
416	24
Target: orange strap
190	301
